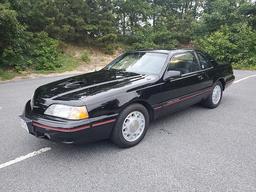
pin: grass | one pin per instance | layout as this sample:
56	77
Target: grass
6	74
66	62
244	67
85	56
72	58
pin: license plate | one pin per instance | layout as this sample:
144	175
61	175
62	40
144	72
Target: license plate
24	125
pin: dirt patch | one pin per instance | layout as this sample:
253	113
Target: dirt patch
98	60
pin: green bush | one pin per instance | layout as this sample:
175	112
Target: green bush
108	39
143	45
20	49
109	49
32	50
85	56
67	63
108	43
235	44
165	39
10	28
18	55
44	51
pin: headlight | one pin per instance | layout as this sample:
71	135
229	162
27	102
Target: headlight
67	112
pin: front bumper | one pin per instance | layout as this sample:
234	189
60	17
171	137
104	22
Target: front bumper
68	131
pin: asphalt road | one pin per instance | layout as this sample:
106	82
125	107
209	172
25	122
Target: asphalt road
196	149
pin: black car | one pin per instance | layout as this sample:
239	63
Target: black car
120	100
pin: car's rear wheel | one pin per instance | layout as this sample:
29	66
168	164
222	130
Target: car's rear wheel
215	97
131	126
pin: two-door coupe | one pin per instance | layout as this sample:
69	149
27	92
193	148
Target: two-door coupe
120	100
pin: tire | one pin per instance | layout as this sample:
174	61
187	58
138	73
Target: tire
130	129
210	102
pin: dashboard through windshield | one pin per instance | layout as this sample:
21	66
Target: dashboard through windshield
140	62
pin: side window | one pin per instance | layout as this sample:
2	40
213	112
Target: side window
184	62
204	61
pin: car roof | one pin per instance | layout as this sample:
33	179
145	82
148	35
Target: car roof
166	51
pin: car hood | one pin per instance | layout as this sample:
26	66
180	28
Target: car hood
86	85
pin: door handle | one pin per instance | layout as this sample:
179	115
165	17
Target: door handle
201	77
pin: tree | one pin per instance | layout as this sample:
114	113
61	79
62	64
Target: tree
234	44
10	28
135	23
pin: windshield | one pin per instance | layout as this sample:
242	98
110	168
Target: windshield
141	63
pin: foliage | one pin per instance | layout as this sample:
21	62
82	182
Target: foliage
21	49
10	28
109	49
109	38
234	44
32	50
108	43
85	56
165	39
45	52
7	74
66	63
30	33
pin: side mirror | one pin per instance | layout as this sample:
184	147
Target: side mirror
171	75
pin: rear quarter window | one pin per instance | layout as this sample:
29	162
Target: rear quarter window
205	61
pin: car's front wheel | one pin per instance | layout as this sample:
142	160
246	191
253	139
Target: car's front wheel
131	126
215	97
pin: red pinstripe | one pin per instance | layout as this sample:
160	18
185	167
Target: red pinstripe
68	130
178	100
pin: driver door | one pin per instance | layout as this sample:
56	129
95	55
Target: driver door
186	89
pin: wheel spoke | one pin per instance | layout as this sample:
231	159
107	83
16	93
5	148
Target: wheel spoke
133	126
216	94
